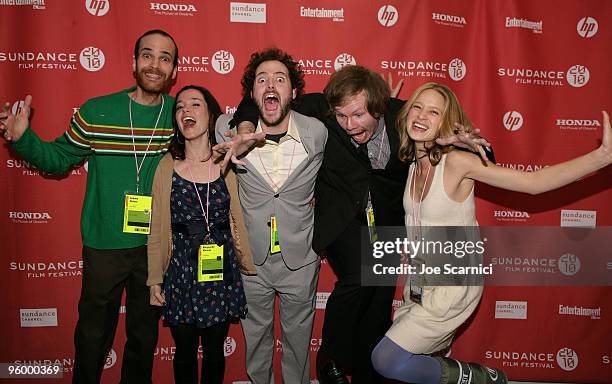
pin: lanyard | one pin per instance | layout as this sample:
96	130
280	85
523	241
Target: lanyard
266	171
139	167
204	212
417	214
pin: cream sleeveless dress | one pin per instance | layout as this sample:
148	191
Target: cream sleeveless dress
430	327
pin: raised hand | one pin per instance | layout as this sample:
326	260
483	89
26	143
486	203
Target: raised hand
606	139
240	144
467	138
13	126
395	90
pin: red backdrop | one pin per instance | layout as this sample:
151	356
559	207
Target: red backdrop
533	75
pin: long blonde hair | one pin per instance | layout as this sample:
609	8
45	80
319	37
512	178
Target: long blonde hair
452	113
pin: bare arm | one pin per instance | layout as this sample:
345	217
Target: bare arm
545	179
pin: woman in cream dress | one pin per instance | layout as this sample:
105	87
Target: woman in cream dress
440	192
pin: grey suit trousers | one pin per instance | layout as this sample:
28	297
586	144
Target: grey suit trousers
296	290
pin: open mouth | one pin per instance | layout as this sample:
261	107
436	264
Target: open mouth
419	127
188	122
271	101
154	75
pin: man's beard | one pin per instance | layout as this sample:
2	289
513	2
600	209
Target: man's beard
146	85
285	108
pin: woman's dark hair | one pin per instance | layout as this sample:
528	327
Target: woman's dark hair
177	145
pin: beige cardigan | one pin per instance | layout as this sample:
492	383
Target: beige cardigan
159	248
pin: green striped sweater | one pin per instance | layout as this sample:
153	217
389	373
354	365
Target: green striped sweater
100	133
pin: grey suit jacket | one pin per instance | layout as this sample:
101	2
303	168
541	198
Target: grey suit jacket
290	205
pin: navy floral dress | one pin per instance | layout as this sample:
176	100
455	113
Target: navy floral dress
188	301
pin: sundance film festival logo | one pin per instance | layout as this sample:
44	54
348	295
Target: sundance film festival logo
38	317
97	7
578	76
587	27
523	168
567	359
56	270
513	121
388	15
344	59
518	359
92	59
229	346
40	60
223	62
111	359
569	264
457	69
448	20
28	169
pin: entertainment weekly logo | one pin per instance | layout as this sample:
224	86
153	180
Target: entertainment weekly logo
322	13
448	20
513	22
587	27
567	310
48	270
91	59
577	124
35	4
172	9
565	358
567	264
578	218
38	317
97	7
221	62
247	13
456	69
387	15
511	310
576	76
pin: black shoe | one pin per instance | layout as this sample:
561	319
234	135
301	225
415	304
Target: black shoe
332	374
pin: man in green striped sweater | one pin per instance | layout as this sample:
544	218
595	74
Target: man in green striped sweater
122	136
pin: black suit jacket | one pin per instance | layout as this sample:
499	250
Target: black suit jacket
346	176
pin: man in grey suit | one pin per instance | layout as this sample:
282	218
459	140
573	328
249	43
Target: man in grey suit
276	185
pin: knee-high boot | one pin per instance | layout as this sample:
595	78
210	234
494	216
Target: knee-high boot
454	371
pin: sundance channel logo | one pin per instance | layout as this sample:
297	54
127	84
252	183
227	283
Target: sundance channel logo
247	13
38	317
511	310
578	218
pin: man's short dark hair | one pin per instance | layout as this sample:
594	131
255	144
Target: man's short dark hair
296	75
156	32
350	81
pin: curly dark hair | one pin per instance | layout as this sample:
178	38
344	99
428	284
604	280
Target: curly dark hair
296	75
177	145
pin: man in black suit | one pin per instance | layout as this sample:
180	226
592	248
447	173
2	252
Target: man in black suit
361	173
